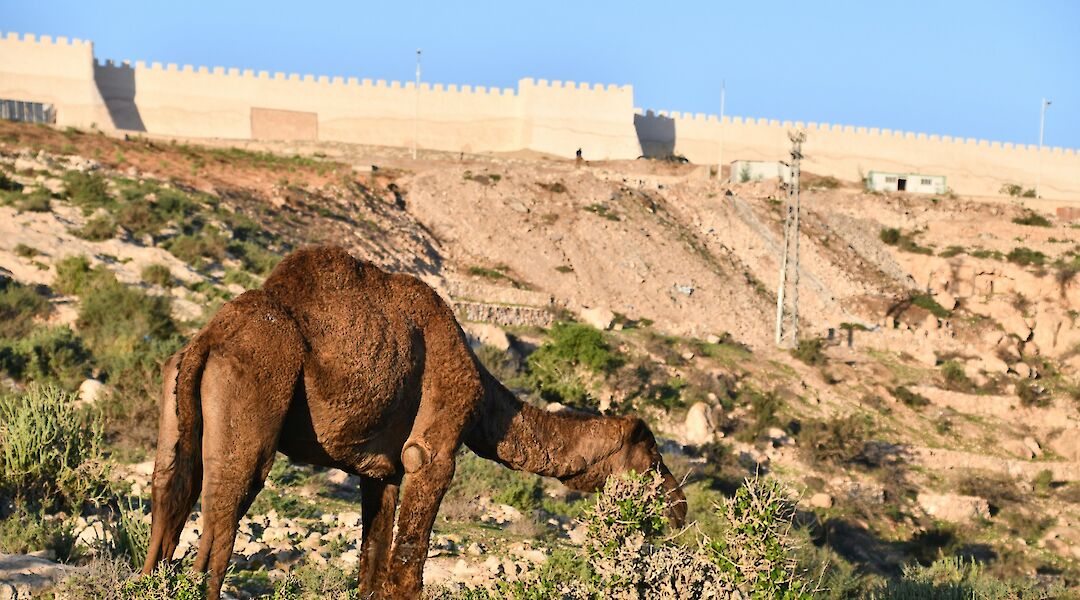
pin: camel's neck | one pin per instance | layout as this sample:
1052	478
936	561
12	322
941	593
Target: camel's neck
525	438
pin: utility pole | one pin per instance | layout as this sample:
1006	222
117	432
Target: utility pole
1042	126
416	107
720	150
787	295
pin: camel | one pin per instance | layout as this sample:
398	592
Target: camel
337	363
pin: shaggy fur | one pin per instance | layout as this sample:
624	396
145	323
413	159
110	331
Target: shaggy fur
337	363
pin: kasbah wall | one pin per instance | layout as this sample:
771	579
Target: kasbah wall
549	117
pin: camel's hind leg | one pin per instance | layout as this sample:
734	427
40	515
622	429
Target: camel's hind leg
176	478
242	419
379	498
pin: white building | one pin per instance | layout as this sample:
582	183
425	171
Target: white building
759	170
880	181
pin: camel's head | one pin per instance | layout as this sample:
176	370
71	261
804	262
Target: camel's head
639	453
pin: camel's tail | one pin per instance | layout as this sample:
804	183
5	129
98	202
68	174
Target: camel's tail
178	465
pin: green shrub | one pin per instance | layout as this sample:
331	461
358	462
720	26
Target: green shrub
764	407
46	354
157	274
38	200
254	257
811	351
168	582
195	249
927	302
757	550
957	578
314	582
904	241
20	305
130	539
1032	394
24	531
1026	256
1016	190
955	377
556	366
909	398
557	187
476	477
1032	219
50	451
24	251
117	320
629	506
98	229
951	251
87	191
838	441
74	275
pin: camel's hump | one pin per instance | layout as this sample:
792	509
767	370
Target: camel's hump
322	268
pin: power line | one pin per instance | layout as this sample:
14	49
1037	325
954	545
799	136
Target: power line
787	295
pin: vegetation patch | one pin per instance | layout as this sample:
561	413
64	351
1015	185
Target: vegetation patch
811	352
903	241
1032	219
1026	256
573	350
909	398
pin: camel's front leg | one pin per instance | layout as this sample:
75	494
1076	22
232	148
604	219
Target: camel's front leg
430	470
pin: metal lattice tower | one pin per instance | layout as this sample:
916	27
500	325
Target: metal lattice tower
787	296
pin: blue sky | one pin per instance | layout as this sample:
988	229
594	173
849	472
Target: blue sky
962	68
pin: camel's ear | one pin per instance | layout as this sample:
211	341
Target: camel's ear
639	432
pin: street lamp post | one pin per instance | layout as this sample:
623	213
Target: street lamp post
720	148
416	106
1042	126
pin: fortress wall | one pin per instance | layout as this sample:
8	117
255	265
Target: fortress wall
58	72
560	117
975	167
552	117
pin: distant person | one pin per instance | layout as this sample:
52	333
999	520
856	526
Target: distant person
579	153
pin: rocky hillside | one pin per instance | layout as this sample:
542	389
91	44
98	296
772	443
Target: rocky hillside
931	410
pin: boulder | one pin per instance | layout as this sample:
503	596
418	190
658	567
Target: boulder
598	317
1033	446
488	335
91	390
954	508
1022	370
821	500
700	425
28	576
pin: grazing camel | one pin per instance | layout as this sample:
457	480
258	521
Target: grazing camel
335	362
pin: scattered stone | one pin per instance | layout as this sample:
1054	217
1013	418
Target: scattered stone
91	390
1033	446
700	425
598	317
821	500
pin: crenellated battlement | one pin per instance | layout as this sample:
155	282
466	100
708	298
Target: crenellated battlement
44	40
854	131
553	116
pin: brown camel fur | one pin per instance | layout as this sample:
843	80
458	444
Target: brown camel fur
337	363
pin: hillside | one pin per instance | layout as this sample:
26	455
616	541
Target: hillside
947	426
